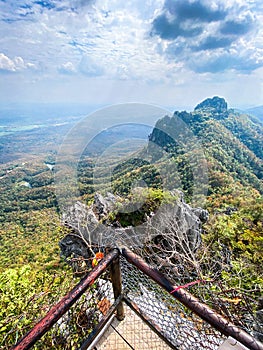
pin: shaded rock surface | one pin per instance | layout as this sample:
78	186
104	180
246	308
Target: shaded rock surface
90	226
103	205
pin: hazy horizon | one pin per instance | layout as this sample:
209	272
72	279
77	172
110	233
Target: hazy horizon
52	111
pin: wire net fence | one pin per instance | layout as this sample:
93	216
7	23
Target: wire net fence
73	328
240	307
171	319
170	240
173	249
179	325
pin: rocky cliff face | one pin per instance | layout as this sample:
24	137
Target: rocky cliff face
216	103
172	226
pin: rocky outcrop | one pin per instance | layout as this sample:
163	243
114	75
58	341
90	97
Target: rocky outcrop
103	205
172	225
216	103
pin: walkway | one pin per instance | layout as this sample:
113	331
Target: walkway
131	333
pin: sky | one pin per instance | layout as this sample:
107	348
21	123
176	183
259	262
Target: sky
162	52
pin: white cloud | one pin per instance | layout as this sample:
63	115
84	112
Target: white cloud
89	67
109	41
13	65
6	64
67	68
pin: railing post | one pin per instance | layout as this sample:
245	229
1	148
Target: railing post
115	274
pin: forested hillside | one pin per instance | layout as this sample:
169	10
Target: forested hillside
233	147
232	143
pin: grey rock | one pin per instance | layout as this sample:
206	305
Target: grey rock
176	222
73	246
103	205
202	214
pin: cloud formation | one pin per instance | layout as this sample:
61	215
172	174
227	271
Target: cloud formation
13	65
214	28
67	68
183	18
88	67
240	26
93	44
195	11
47	4
171	28
243	62
213	42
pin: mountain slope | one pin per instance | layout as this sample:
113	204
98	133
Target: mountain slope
232	143
228	143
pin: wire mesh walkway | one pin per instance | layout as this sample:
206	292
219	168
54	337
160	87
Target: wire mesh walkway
131	333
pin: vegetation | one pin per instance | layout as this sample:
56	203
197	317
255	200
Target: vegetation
137	205
32	275
232	144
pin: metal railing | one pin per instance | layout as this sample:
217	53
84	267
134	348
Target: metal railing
188	320
174	314
60	309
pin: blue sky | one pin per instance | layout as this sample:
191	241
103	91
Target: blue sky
162	52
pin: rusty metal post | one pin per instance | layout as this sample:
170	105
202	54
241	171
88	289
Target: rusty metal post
115	274
58	310
202	310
